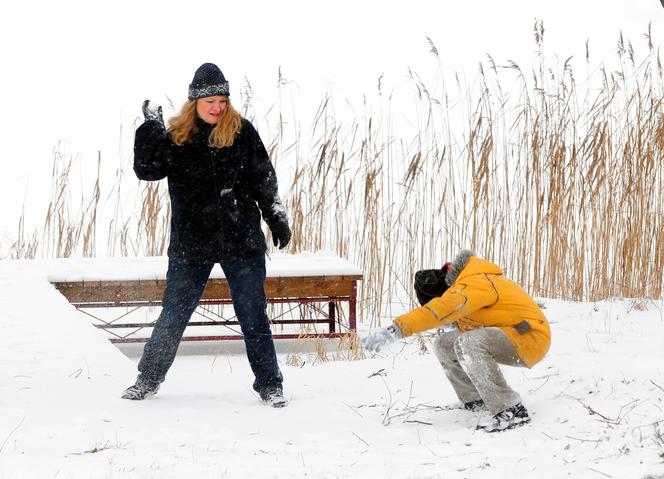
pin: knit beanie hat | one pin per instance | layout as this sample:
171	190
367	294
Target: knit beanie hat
430	283
208	81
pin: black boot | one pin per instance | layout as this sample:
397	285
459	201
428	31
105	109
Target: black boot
474	406
510	418
274	397
140	390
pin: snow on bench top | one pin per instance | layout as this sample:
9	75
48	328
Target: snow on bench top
154	267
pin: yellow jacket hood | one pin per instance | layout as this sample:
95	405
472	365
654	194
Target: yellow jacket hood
466	264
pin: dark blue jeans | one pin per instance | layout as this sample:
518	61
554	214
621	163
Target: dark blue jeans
185	282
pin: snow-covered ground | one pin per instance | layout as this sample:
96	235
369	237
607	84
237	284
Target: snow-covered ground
597	402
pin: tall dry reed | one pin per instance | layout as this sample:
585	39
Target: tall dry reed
66	232
561	187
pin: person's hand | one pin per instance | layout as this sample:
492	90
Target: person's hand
281	235
152	111
381	338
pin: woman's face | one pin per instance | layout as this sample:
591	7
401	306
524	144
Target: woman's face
210	108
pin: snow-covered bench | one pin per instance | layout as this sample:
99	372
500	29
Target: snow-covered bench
300	284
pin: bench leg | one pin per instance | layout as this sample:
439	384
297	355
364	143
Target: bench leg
332	316
352	303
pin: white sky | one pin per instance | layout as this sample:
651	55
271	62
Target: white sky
77	71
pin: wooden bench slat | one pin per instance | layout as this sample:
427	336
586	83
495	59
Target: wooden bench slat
217	288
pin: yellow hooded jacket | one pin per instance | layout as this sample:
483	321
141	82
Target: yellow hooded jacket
480	296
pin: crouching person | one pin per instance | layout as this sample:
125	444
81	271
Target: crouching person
496	321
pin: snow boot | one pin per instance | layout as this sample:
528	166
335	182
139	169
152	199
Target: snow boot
274	397
474	406
140	391
510	418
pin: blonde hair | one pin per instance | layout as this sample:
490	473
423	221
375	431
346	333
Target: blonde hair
182	127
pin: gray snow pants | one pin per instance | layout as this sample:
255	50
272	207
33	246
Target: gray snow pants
470	361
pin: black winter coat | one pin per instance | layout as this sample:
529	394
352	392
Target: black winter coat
217	194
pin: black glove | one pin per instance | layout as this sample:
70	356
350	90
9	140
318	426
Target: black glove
281	235
152	111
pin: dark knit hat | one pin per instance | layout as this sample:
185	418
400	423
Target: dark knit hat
430	283
208	81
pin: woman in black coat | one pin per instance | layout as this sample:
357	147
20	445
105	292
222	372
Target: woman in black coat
221	182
